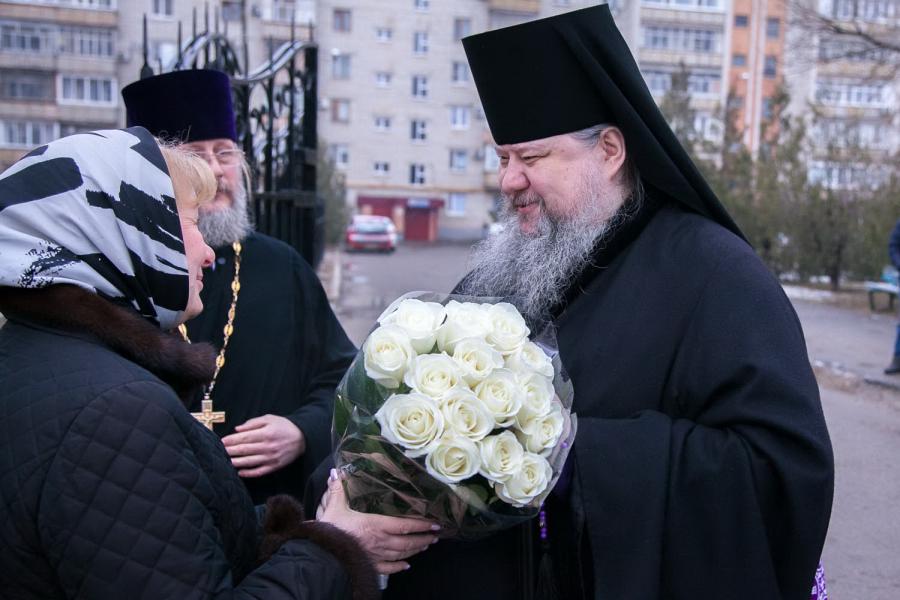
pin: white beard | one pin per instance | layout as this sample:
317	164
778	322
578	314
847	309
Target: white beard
534	270
224	226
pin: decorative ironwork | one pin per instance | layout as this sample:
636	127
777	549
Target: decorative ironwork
276	109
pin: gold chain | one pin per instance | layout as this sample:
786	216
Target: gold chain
229	325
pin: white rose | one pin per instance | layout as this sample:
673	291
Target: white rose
453	459
464	320
541	434
388	355
530	357
466	415
476	359
433	375
413	421
502	394
420	320
537	399
508	329
530	481
501	456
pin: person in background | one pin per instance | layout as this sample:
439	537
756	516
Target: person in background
894	254
282	349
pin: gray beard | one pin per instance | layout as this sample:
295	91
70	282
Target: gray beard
224	226
534	270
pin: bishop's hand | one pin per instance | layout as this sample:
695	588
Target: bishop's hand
263	445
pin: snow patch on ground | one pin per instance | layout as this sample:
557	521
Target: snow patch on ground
796	292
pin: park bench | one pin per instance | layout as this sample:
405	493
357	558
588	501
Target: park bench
887	286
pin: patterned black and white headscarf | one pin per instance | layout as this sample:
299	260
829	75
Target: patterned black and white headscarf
96	210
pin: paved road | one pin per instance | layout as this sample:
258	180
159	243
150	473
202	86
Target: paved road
862	407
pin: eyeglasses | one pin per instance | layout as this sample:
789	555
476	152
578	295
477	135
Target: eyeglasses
226	158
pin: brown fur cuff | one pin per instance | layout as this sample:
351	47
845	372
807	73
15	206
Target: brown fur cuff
284	522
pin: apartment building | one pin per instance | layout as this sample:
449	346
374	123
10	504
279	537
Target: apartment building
64	62
400	112
756	65
848	91
58	71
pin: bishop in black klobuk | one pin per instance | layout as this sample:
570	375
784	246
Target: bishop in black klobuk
702	466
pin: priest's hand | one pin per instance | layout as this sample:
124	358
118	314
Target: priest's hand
387	540
264	444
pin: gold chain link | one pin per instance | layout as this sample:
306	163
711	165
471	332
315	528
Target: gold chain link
229	325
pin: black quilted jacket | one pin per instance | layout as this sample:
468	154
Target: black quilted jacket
110	489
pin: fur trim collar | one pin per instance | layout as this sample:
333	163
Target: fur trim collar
186	367
284	522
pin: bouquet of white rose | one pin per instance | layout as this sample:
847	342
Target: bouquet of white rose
451	413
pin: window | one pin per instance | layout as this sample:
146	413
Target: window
339	154
767	108
27	134
420	86
773	28
460	73
659	82
700	82
456	204
76	89
461	28
836	92
382	123
459	117
740	20
382	79
417	174
26	85
340	19
381	168
421	4
418	130
231	10
24	37
683	39
459	159
491	160
162	8
340	110
283	10
340	66
770	67
384	34
86	41
420	42
738	60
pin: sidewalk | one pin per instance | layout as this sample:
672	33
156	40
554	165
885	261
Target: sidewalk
329	273
848	348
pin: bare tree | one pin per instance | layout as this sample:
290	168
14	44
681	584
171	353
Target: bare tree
861	31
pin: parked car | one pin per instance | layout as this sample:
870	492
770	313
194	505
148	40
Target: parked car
370	232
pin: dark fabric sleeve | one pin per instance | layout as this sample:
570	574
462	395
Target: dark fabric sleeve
894	246
126	507
731	498
335	352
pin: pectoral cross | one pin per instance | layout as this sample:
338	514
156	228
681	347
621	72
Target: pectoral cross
208	416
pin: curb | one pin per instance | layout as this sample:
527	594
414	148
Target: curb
835	375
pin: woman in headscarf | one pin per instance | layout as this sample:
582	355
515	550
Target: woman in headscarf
108	486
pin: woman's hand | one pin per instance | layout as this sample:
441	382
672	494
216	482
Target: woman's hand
388	540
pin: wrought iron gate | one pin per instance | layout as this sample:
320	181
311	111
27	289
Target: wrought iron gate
275	107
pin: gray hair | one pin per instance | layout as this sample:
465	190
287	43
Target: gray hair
630	175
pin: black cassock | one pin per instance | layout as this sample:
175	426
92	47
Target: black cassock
285	357
702	466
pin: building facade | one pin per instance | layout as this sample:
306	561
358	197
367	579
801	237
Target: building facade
847	90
